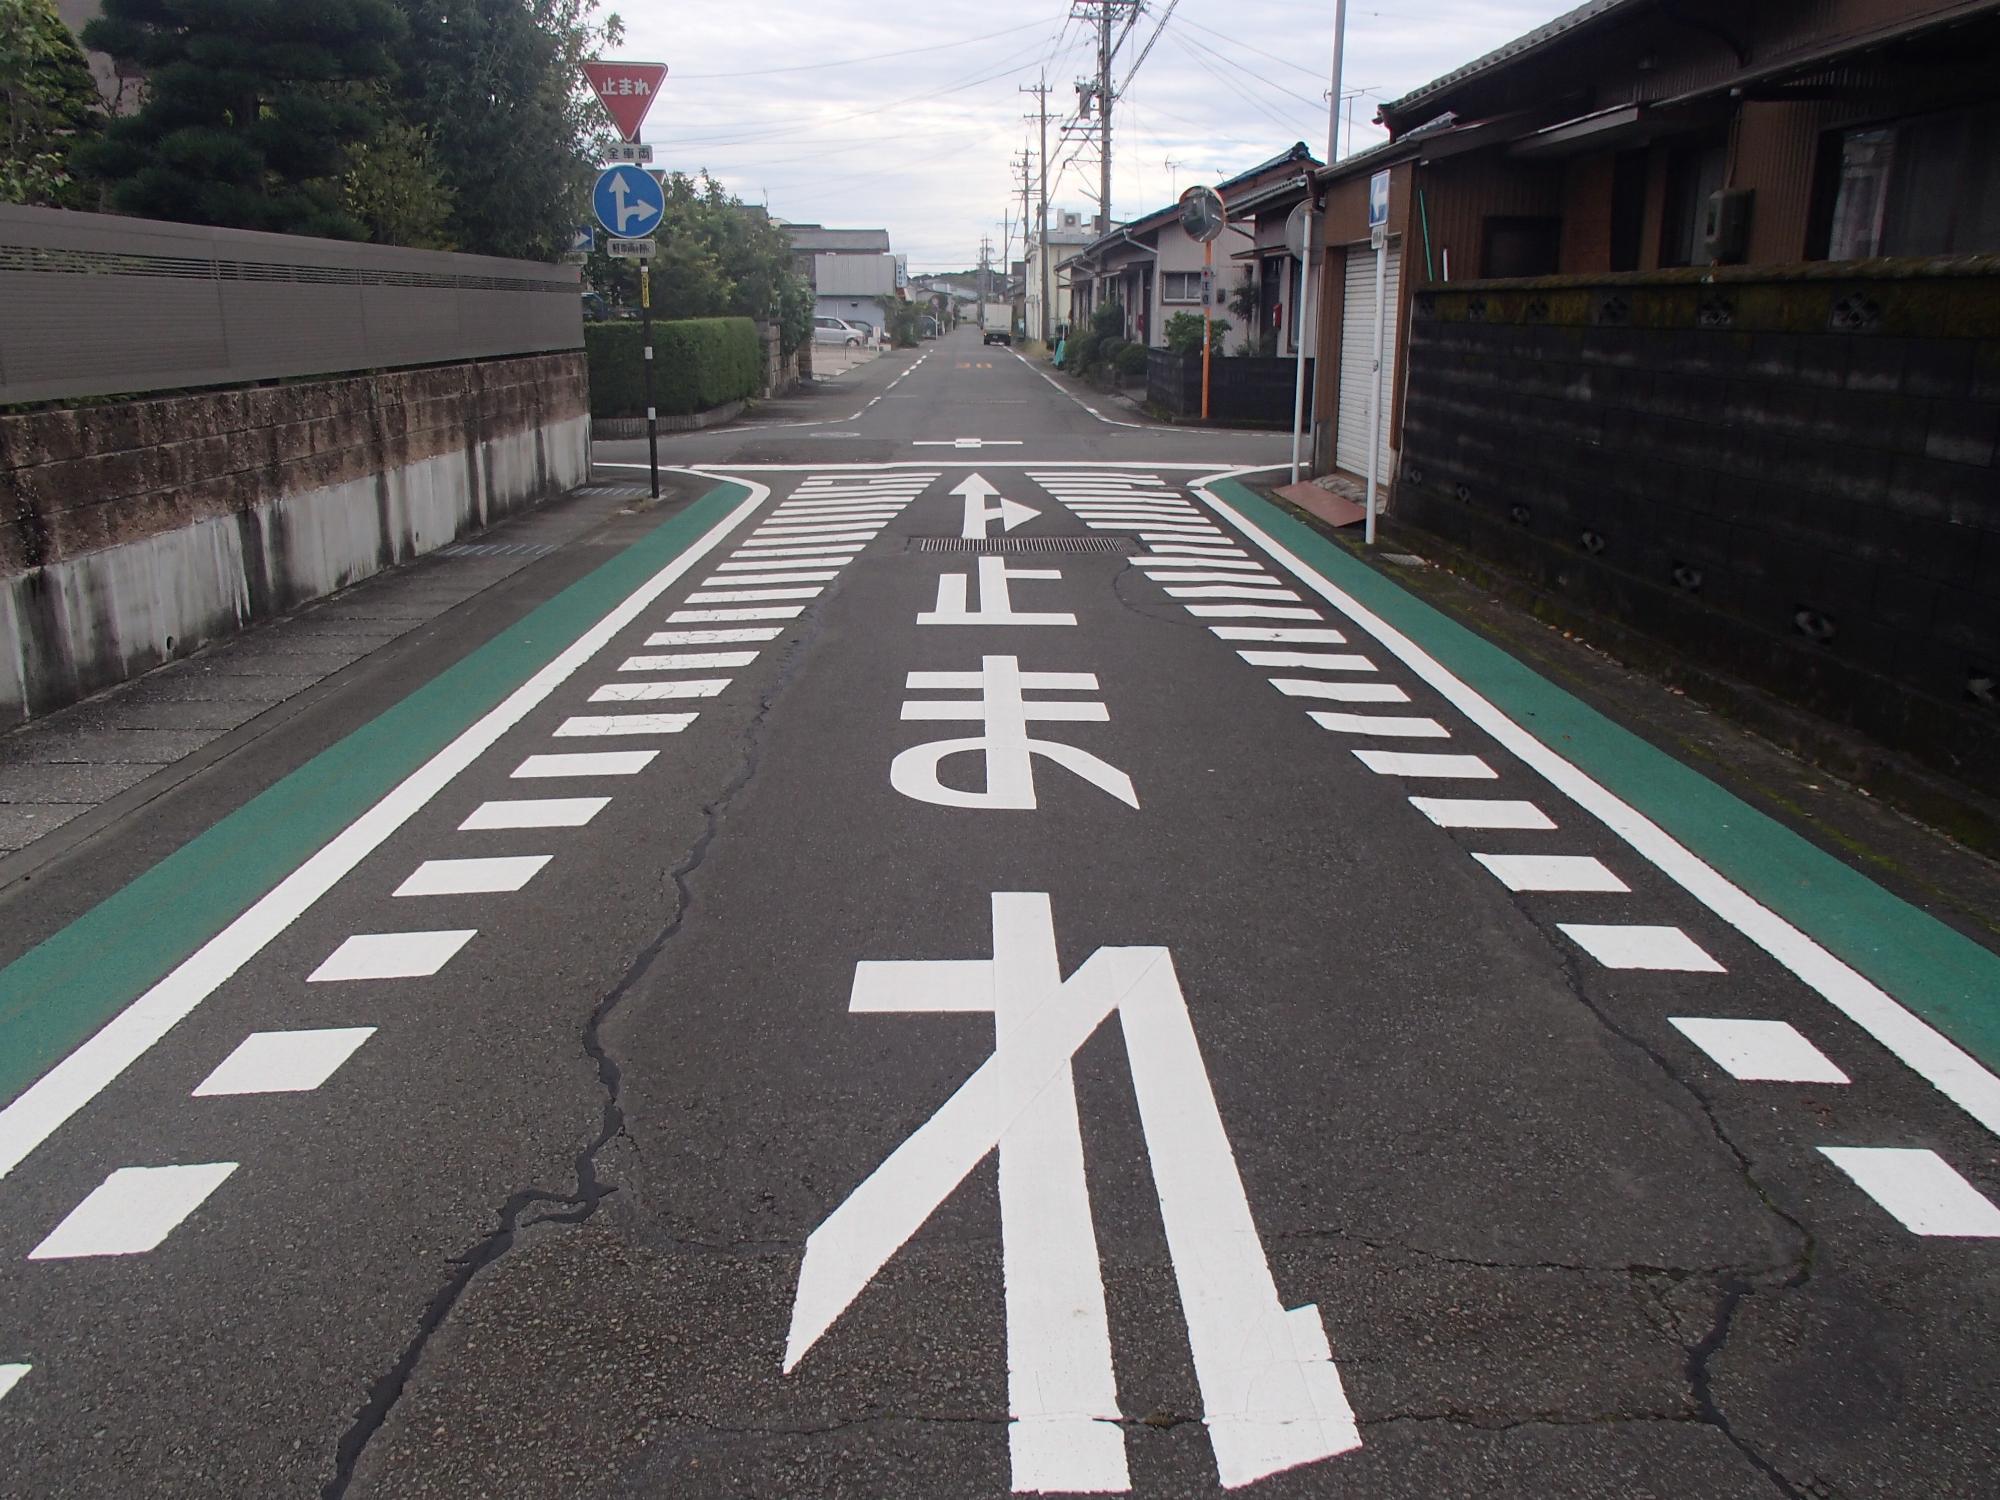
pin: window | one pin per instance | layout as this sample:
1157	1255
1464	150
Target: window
1180	286
1694	175
1521	247
1927	185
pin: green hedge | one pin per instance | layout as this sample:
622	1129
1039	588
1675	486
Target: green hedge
697	363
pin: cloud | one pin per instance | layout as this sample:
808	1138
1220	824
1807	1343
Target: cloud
864	115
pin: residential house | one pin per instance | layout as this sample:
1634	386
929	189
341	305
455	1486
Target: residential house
1641	135
1069	233
851	271
1153	269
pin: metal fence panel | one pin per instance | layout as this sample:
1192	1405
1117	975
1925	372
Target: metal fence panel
99	305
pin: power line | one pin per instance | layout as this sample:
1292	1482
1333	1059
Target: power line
1249	47
1146	51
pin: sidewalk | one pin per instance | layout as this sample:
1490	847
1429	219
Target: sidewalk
68	773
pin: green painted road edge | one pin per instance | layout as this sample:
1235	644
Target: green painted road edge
1938	973
58	993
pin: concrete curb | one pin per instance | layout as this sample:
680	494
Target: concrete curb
602	428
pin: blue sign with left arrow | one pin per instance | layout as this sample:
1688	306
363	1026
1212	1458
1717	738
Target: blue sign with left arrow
628	202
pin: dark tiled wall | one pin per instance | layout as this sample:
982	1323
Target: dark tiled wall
1790	479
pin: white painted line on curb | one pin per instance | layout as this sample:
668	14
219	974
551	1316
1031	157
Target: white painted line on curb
283	1062
1759	1051
473	877
132	1211
1622	946
1468	812
39	1111
391	955
1552	872
537	812
1920	1189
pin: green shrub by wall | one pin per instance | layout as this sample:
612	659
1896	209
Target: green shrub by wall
697	363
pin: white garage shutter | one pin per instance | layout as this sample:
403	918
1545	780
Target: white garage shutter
1357	355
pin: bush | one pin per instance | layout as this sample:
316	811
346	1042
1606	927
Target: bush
1081	352
697	363
1132	360
1184	333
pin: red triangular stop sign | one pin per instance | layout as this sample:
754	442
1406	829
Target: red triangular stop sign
627	90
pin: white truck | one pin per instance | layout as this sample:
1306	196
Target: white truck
997	318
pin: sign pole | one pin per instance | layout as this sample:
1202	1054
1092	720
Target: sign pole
1303	326
1207	281
646	337
1375	386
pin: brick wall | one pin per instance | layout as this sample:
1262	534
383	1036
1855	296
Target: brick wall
79	479
1787	475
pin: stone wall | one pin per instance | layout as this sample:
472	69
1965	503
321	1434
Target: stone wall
1787	475
133	532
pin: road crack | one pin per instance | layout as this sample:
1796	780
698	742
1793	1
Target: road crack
578	1206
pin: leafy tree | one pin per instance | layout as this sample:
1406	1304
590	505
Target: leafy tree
495	85
48	104
393	189
1183	333
250	108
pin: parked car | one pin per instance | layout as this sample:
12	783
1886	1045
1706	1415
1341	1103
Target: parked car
595	309
927	327
834	331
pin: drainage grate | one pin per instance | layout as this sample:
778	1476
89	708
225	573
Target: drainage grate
1004	544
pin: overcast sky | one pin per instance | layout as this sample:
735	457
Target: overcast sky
795	104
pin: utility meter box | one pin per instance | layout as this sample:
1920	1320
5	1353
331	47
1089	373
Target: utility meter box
1725	234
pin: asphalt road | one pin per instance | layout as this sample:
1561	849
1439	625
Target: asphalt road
962	954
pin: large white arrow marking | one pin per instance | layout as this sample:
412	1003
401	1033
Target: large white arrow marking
1009	513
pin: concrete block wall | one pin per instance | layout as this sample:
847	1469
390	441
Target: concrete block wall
134	532
1788	475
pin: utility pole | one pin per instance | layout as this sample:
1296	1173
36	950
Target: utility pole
1333	99
1105	14
1041	93
1027	183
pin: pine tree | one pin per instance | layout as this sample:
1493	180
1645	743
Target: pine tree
250	108
48	104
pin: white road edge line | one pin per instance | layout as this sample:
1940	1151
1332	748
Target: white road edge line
1933	1056
35	1115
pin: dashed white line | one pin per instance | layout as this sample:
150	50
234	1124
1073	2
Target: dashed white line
1278	634
391	955
132	1211
1341	692
683	661
1385	726
1231	591
283	1062
1469	812
472	877
714	637
1621	946
1426	767
1759	1051
1920	1188
699	616
599	726
1322	661
654	692
10	1376
585	763
1249	612
1552	872
752	596
534	812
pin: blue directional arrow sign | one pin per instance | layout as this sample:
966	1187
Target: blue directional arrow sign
628	202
